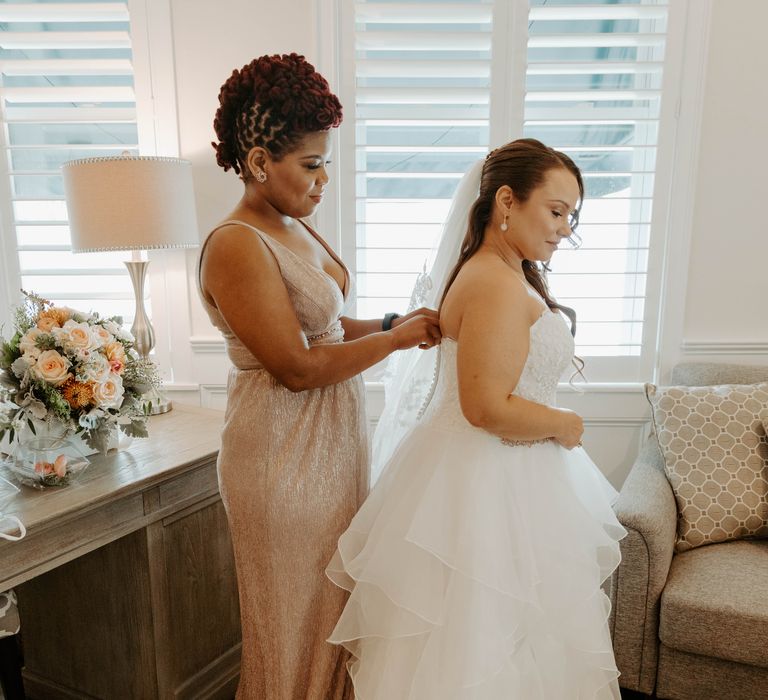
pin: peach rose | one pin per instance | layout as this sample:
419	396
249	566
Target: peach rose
28	341
116	355
52	367
60	466
74	336
109	394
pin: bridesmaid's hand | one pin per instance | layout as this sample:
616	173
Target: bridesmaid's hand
420	327
570	430
423	311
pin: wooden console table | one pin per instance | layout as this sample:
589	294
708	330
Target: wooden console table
126	579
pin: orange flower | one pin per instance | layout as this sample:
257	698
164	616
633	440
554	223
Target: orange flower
53	317
77	394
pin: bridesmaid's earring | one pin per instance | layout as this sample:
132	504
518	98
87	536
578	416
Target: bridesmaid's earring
261	176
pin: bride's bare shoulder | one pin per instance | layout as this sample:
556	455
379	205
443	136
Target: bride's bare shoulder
484	281
482	278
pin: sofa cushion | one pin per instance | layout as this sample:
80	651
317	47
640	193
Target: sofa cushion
716	458
710	373
715	602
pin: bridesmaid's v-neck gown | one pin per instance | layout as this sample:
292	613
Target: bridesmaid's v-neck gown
293	470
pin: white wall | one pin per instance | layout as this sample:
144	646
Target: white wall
210	40
727	296
721	307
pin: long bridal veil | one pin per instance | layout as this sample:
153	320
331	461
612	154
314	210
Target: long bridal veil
410	375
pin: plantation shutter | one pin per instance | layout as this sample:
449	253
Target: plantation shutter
425	112
66	92
593	90
423	75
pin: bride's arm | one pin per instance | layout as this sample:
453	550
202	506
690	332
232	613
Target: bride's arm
493	343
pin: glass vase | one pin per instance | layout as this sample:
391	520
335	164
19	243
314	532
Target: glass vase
48	461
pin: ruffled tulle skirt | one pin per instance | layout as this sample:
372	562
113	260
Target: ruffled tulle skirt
475	571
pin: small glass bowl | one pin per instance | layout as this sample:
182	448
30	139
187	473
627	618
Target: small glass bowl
43	462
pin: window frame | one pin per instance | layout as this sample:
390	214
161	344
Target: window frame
677	148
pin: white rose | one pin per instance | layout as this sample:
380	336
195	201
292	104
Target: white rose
118	331
96	368
74	336
104	336
109	394
52	367
27	343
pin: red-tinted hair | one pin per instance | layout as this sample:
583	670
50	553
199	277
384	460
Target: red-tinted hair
273	102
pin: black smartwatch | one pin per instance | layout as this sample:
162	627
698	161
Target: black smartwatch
386	324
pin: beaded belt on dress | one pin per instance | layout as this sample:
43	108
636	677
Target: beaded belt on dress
320	336
336	328
525	443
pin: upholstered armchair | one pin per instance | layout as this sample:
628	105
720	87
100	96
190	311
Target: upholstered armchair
691	625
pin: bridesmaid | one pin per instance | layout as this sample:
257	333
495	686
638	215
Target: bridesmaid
293	466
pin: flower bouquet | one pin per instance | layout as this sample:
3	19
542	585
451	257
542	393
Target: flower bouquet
73	374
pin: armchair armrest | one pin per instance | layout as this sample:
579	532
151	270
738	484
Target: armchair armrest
646	507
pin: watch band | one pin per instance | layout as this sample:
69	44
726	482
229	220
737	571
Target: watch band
386	324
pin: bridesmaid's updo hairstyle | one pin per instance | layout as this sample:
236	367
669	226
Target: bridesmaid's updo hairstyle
272	102
522	165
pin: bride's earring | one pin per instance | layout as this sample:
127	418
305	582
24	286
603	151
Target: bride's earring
503	226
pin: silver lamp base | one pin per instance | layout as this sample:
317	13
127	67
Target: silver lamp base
142	331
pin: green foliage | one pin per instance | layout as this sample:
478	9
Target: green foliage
136	428
98	438
53	400
9	351
45	341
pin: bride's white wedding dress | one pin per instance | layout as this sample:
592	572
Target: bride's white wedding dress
475	565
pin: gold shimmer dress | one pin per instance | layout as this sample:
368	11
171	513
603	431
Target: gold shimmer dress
293	470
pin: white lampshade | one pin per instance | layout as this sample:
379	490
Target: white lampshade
130	203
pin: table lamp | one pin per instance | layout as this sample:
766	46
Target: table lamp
131	203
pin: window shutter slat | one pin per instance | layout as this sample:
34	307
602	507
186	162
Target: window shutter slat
58	67
64	12
65	40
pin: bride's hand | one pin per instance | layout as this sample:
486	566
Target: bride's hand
571	429
420	327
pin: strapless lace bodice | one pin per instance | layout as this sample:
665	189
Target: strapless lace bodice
551	350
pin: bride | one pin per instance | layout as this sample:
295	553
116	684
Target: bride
475	564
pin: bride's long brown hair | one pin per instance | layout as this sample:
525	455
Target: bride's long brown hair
522	165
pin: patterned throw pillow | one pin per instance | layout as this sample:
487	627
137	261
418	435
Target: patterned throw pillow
715	449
